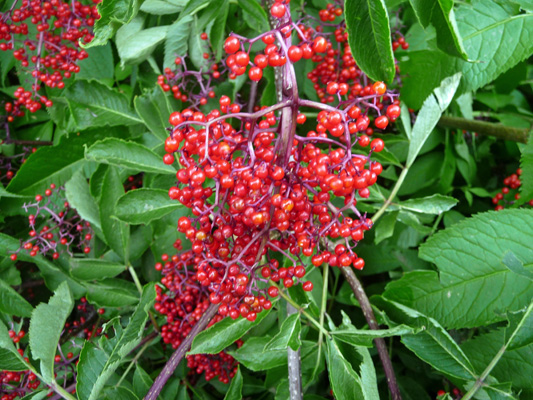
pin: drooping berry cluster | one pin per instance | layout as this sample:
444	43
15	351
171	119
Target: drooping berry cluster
54	226
183	304
52	55
259	187
15	384
509	193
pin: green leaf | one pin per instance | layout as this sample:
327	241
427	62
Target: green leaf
141	381
79	197
495	23
93	104
10	359
98	363
128	155
46	324
144	205
365	338
288	336
430	114
520	331
193	6
515	265
439	13
434	204
88	269
515	366
235	388
99	65
197	46
475	286
177	43
369	37
222	334
155	109
259	15
113	14
115	232
385	227
526	164
13	303
112	293
162	7
44	166
137	44
217	34
346	382
119	393
432	343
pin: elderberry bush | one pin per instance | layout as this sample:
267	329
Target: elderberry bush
265	199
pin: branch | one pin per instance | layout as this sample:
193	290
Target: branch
485	128
178	355
29	142
362	298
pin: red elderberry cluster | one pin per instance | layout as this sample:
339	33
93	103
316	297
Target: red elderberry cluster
184	302
54	226
509	193
52	55
260	187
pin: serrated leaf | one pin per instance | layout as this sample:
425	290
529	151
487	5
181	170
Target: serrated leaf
197	46
495	23
128	155
222	334
432	343
44	167
46	324
475	286
162	7
369	37
87	269
141	381
113	14
435	204
99	65
79	197
144	205
155	109
235	388
13	303
288	335
93	104
115	232
112	293
365	338
348	383
515	265
515	366
430	114
439	13
177	42
53	276
10	359
520	331
98	363
136	46
254	9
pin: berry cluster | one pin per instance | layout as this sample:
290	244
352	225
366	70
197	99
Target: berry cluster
509	193
259	187
54	226
15	384
53	54
183	304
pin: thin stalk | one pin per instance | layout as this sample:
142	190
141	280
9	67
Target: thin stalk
486	128
381	346
178	355
302	311
485	374
392	195
133	361
137	282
